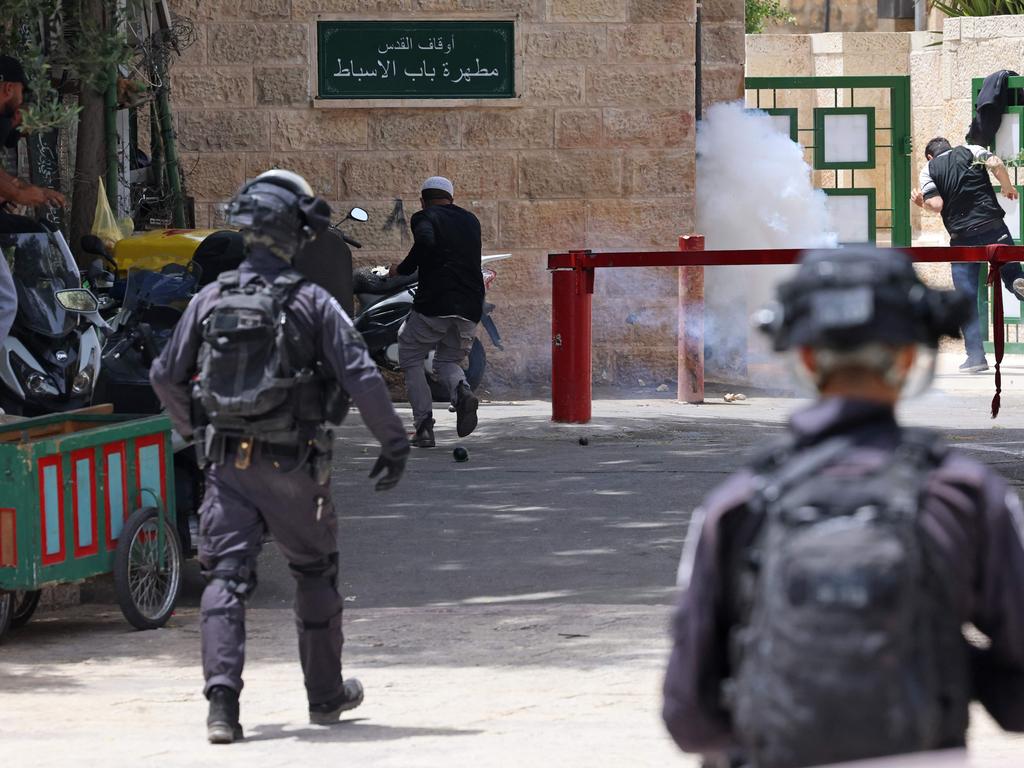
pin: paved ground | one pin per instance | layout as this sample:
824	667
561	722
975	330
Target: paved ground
506	611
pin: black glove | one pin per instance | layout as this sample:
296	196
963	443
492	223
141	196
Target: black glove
394	466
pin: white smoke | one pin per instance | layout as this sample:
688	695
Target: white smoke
754	186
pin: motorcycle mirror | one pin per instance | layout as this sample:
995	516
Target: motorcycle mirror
358	214
77	300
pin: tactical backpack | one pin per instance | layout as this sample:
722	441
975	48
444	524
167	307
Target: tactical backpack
849	644
248	384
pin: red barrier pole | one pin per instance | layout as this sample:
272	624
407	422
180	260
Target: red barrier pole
571	295
690	365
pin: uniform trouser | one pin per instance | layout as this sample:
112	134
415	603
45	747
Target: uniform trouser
452	338
238	506
965	279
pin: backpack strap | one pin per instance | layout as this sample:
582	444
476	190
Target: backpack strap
801	465
229	279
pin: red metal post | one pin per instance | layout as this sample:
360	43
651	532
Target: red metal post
690	366
571	297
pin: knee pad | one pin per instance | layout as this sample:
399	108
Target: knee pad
236	574
308	574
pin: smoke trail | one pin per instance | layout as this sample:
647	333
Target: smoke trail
753	191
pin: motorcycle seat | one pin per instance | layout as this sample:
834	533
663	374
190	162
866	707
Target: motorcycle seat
366	282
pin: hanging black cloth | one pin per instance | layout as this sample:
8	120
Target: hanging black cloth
993	99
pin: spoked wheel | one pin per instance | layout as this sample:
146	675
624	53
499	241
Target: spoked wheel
24	606
6	612
147	569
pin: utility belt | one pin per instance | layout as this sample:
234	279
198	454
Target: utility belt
213	447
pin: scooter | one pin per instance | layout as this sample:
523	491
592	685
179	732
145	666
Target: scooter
385	302
52	357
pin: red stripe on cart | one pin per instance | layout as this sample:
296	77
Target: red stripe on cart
51	510
8	538
116	493
86	540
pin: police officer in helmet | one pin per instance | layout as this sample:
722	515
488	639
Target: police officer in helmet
259	364
824	586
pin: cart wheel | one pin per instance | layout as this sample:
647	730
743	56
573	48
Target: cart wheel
24	606
147	592
6	612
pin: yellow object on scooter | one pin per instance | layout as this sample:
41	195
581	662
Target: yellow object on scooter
154	249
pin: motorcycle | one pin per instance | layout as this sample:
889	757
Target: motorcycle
386	301
52	357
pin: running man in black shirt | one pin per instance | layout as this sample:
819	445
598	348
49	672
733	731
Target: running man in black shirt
955	183
448	305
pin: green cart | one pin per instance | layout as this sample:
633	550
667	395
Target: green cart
86	493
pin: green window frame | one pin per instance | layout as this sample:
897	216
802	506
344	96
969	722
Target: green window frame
791	113
870	194
820	115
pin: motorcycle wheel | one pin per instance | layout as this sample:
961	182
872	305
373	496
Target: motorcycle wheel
474	373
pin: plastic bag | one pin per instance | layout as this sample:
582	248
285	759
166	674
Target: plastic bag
104	223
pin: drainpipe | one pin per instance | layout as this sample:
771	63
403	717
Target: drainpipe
828	15
920	15
697	82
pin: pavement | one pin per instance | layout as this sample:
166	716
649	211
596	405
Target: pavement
509	610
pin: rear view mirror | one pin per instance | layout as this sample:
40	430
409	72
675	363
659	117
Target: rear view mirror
358	214
77	300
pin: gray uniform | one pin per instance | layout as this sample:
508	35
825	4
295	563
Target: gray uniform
276	491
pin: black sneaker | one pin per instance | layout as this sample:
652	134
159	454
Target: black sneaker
466	404
222	725
329	712
424	437
974	366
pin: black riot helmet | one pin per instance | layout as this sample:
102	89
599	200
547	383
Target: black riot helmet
278	209
844	299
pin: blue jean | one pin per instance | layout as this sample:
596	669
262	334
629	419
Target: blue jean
965	279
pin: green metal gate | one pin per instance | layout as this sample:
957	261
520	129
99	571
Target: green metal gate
1009	145
842	139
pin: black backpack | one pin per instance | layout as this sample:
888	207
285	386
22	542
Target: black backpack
849	645
247	383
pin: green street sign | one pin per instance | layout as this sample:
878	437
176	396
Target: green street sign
416	60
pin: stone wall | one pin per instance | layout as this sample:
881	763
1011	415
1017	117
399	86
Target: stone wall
598	153
846	16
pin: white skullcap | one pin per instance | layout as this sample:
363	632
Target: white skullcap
440	183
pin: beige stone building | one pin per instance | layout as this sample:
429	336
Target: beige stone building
596	149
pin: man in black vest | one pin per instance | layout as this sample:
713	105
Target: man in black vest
448	305
955	184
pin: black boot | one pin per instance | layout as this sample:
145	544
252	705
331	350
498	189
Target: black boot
329	712
424	437
466	404
222	725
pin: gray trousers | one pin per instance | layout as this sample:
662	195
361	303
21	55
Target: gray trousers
451	338
238	506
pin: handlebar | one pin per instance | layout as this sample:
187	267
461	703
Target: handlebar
350	240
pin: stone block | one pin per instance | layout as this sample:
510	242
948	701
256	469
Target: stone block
645	42
487	213
587	10
555	41
993	28
489	175
569	174
318	168
281	87
645	85
721	83
377	175
722	10
319	129
508	128
552	225
231	10
211	87
420	129
982	58
723	44
386	231
250	43
222	130
193	54
648	128
435	6
302	9
778	55
671	11
578	128
653	173
925	77
213	176
559	86
652	223
525	10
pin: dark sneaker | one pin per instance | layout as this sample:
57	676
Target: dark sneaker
974	366
222	725
466	404
329	712
1018	288
424	437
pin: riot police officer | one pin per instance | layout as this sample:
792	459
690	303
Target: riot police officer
824	587
258	364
